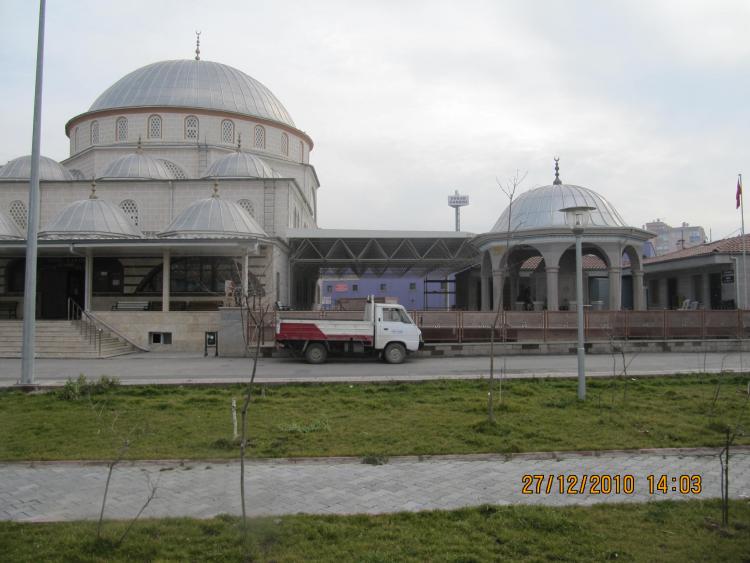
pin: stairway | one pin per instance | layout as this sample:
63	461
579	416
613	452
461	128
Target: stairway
59	339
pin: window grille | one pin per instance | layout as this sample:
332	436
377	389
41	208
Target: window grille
285	144
260	137
121	129
248	206
19	214
191	127
176	171
154	127
227	132
94	132
130	209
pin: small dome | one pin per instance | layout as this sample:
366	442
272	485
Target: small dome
193	84
91	218
49	170
213	217
540	209
137	166
240	165
8	229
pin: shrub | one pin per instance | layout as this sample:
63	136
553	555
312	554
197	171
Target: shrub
75	389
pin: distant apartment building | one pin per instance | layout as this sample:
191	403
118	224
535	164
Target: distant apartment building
670	239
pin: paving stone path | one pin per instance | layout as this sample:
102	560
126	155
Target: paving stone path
73	491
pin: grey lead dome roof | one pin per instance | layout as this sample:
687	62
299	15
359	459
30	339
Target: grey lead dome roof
193	84
213	218
20	169
137	166
540	209
91	218
239	165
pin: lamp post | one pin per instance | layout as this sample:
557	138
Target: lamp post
577	218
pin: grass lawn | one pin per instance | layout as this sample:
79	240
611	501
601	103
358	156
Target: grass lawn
376	419
663	531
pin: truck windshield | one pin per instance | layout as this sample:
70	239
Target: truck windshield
396	316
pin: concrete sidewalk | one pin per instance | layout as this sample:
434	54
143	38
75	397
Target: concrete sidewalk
192	368
73	491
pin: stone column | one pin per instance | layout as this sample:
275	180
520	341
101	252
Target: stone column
639	301
166	270
485	304
498	277
88	272
615	288
553	293
245	275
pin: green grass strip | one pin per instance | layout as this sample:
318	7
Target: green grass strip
381	420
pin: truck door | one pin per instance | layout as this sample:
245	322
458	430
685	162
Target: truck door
389	326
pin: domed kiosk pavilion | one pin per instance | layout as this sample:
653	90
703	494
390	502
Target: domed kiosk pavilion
528	257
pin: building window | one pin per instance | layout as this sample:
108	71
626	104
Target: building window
177	172
260	137
383	287
355	287
329	289
191	127
160	337
154	127
653	292
19	214
200	274
285	144
130	209
108	276
227	131
121	129
248	206
94	132
412	285
301	152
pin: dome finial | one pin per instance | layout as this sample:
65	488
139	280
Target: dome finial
239	142
557	181
93	189
197	45
216	189
139	146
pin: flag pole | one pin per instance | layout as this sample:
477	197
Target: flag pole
744	248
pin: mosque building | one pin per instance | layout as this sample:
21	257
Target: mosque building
187	176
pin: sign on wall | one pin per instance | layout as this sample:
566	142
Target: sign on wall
727	276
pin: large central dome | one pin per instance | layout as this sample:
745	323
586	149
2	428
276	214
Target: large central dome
194	84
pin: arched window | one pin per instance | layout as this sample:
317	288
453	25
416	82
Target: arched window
191	127
154	127
130	209
19	214
227	132
121	129
260	137
94	132
301	152
177	172
248	206
285	144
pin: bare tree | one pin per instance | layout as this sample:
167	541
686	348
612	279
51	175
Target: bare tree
509	189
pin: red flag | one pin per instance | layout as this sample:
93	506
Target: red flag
738	197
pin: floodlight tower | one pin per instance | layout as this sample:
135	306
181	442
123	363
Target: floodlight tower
457	201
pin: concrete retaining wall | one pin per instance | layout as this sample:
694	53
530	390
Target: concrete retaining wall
188	328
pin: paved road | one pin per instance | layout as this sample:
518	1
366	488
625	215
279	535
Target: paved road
70	491
184	368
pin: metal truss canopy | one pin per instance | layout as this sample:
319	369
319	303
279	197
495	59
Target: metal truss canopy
382	253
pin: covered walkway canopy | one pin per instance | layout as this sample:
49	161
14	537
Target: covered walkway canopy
365	253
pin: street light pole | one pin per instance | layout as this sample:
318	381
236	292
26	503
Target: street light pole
578	232
577	218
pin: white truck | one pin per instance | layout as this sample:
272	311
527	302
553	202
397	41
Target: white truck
386	331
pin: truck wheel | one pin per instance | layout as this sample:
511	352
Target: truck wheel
394	353
316	353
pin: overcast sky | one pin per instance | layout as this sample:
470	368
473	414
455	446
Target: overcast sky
645	102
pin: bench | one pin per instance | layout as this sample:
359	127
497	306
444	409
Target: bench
9	308
204	305
130	306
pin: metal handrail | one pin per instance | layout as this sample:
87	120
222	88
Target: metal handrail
86	325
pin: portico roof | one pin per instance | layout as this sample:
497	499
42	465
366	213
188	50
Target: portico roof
381	253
